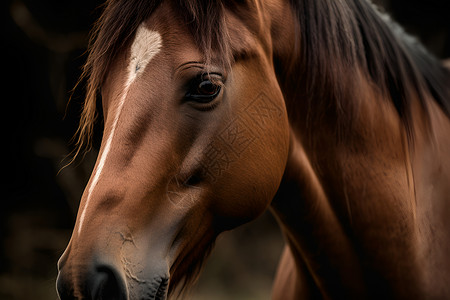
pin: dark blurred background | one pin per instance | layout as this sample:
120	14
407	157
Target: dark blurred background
43	48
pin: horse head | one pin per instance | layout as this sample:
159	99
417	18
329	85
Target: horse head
195	142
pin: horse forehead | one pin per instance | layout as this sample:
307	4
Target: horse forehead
147	43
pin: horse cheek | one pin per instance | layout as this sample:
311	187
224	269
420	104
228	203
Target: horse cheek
247	187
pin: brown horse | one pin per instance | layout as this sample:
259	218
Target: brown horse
324	111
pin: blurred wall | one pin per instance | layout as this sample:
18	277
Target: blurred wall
429	20
43	46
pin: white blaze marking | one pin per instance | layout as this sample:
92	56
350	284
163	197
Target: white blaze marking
146	45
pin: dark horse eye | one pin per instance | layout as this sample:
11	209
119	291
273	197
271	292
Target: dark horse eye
203	90
207	88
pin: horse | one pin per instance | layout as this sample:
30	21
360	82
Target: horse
325	113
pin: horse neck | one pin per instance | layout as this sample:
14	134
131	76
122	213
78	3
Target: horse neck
311	226
348	191
304	205
352	171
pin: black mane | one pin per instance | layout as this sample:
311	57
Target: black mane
343	36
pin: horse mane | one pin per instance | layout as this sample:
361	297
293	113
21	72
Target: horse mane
353	37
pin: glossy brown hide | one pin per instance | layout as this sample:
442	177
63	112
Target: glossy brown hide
177	172
386	234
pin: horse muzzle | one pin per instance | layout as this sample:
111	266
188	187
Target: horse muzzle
105	281
112	277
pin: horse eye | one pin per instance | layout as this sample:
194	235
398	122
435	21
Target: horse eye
207	88
203	90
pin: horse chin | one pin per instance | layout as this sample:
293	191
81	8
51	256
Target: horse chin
145	278
157	288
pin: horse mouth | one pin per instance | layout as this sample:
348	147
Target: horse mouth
155	290
161	291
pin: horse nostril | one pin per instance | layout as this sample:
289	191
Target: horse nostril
100	282
106	283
